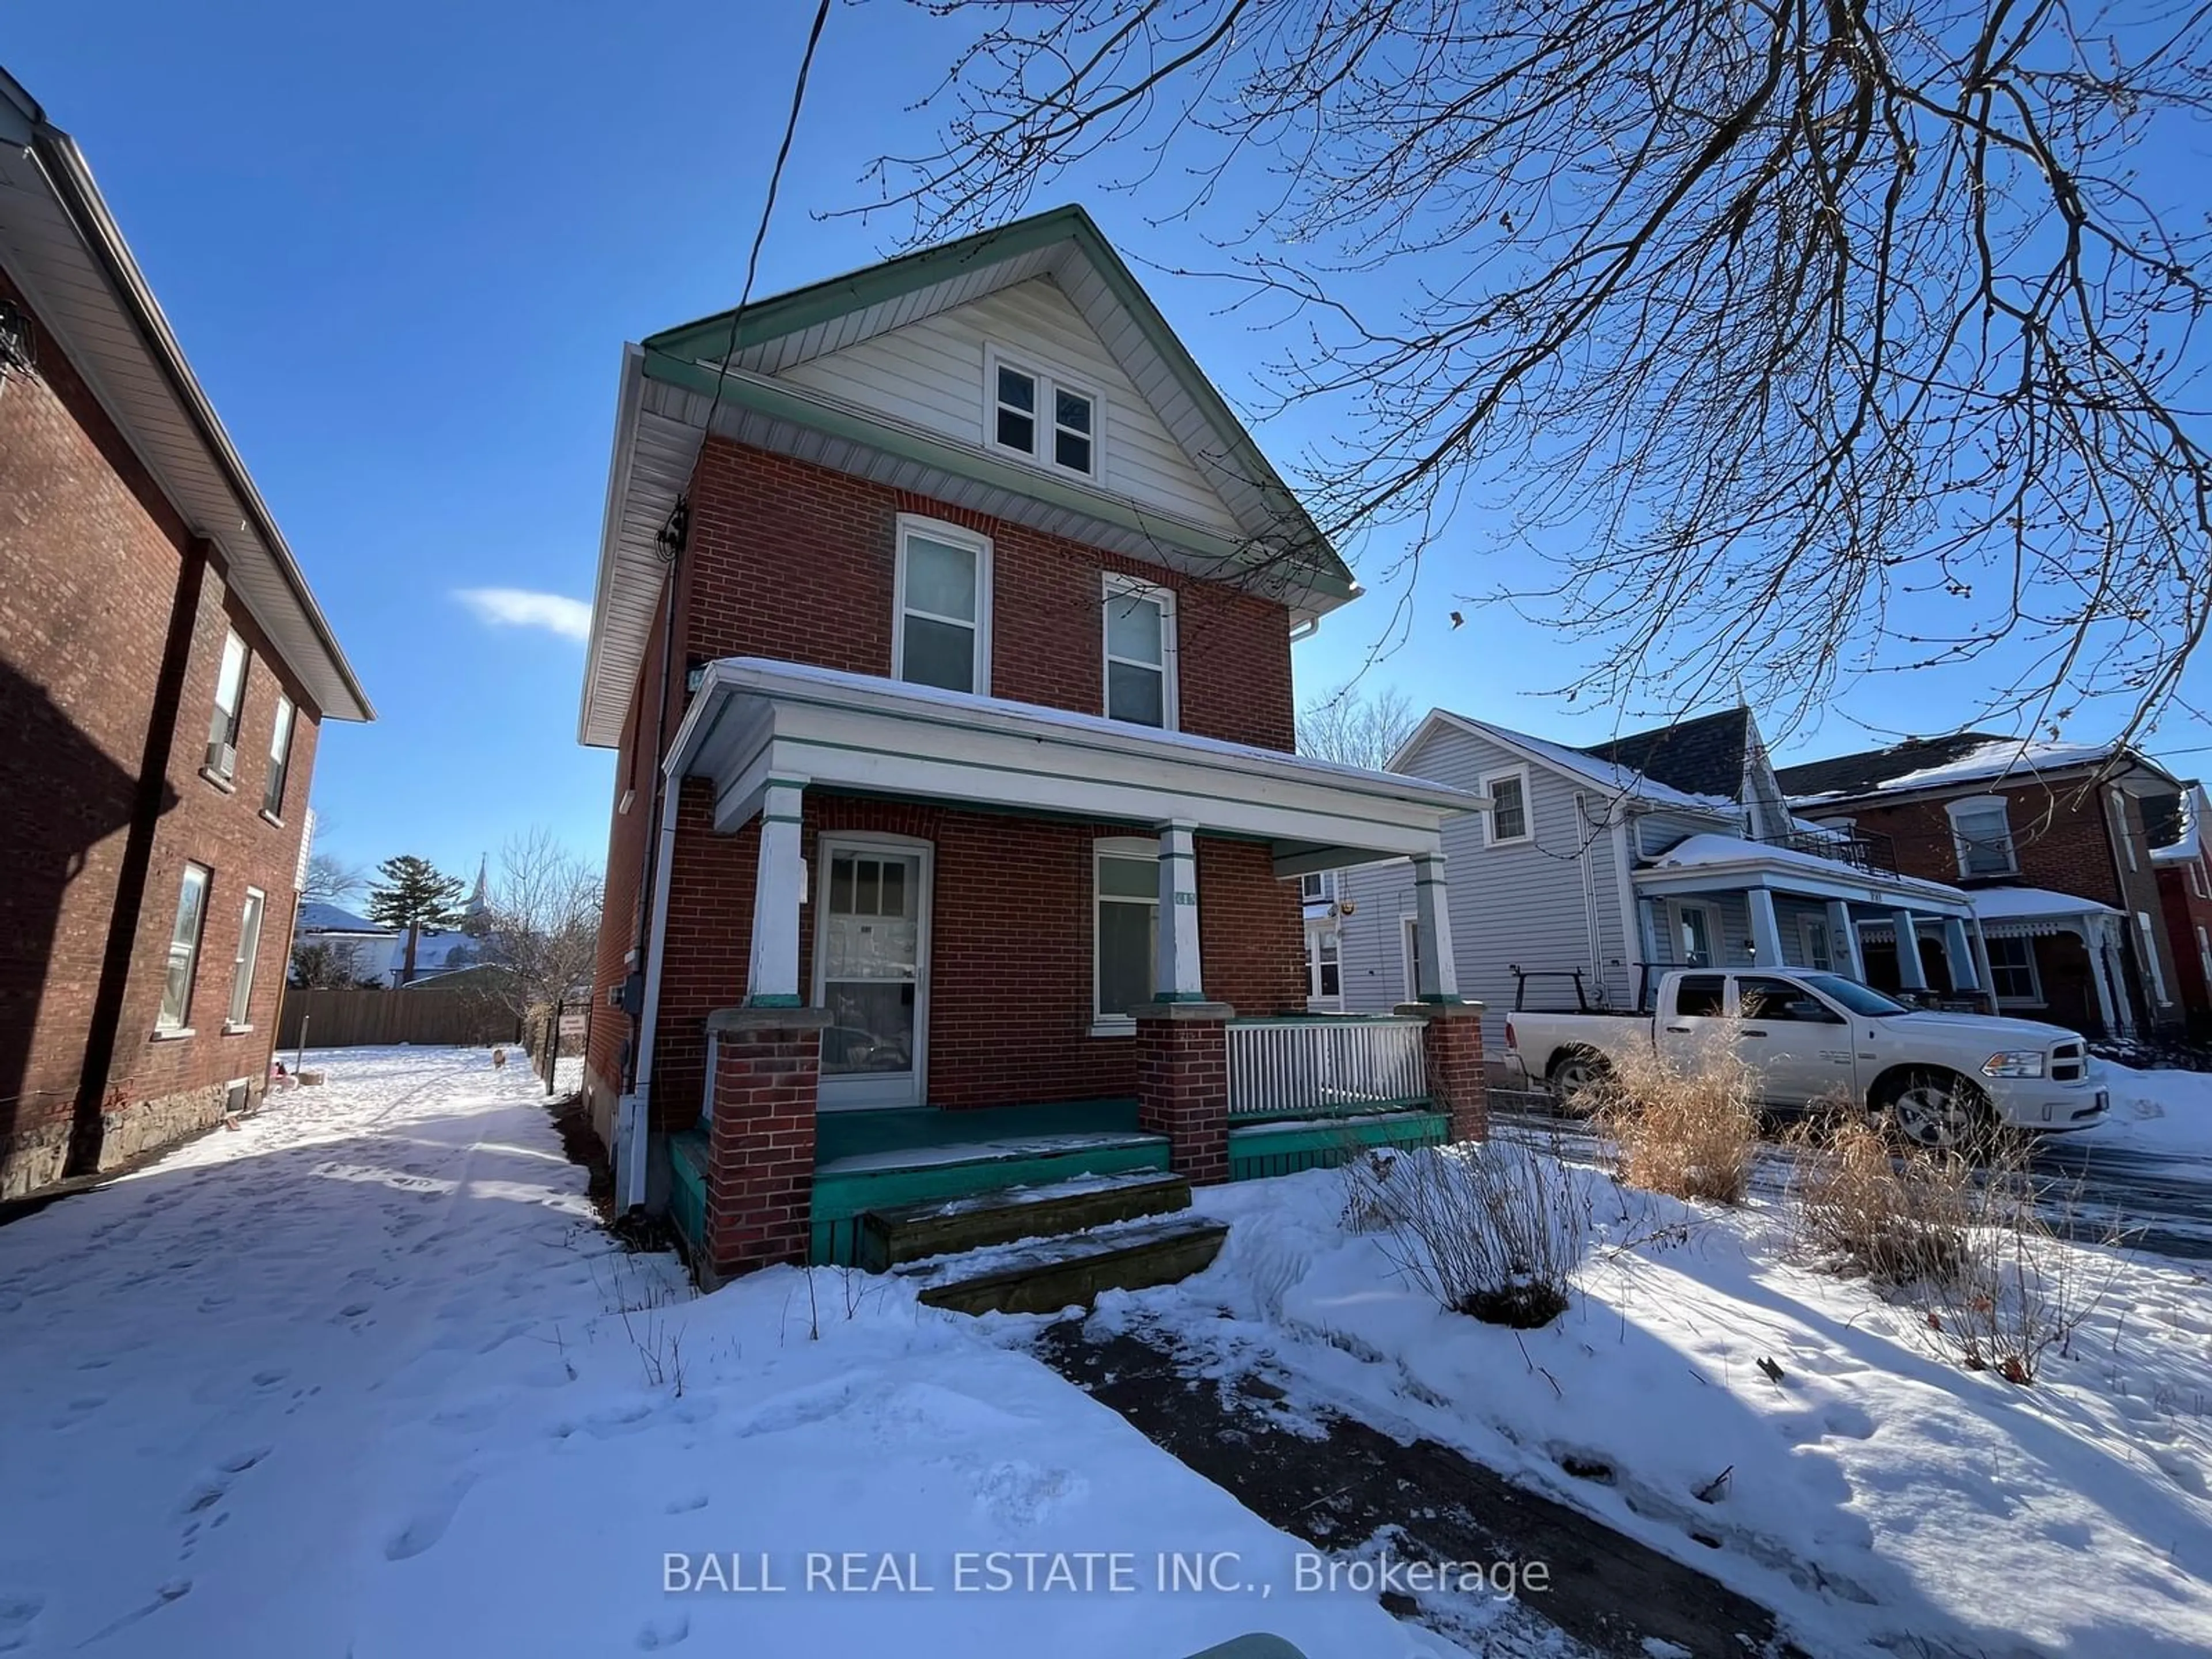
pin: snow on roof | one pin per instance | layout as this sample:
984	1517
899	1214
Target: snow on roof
2001	757
1620	779
318	916
1697	851
2001	903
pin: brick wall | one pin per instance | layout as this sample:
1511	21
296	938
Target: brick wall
93	565
2185	911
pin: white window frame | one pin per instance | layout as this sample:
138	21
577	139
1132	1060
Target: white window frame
937	530
245	959
1489	835
1715	951
1961	840
1323	888
2034	998
1116	585
280	757
229	715
1409	954
2197	878
1132	847
181	1023
1321	943
2151	968
1048	380
1822	960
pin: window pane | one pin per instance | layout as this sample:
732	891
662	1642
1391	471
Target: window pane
249	949
1127	878
1509	812
864	902
894	889
232	679
1017	432
841	884
1698	996
1133	627
1017	390
184	947
938	654
941	578
1137	695
1072	411
1127	937
1071	452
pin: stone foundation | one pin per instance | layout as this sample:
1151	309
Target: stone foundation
35	1159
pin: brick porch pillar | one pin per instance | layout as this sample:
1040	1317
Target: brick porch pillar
1182	1085
1451	1047
760	1176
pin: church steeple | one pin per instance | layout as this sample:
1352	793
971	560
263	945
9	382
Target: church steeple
479	899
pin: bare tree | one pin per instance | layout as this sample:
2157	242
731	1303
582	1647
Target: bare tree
326	964
332	880
1354	728
1768	313
544	928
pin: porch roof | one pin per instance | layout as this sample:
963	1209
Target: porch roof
1702	863
755	721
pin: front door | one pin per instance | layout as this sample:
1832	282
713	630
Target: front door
871	971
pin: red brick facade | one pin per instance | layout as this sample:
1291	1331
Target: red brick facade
1451	1050
111	626
2184	891
796	562
1182	1091
761	1168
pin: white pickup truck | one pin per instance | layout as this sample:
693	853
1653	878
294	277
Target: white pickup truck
1817	1040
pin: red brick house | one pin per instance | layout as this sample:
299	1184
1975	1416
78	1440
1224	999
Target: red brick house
954	609
164	670
2050	841
2176	824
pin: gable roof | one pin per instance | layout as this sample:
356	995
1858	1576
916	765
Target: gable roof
1701	756
1935	763
63	250
728	367
1577	763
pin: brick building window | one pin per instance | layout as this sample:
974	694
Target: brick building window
1982	835
280	758
1140	654
229	700
1043	417
184	950
1126	940
942	635
2012	971
249	951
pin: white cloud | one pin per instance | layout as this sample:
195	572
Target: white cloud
518	607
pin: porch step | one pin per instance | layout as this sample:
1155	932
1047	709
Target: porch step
911	1233
1053	1273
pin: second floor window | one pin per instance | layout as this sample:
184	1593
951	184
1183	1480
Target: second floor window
1508	819
1318	886
1983	833
280	758
942	632
1140	685
229	700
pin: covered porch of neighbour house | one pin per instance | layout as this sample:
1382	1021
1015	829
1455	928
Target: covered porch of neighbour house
1717	901
2051	955
826	1096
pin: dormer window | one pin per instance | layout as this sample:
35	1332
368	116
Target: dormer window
1982	834
1042	415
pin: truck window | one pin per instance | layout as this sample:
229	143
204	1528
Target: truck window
1778	1000
1698	996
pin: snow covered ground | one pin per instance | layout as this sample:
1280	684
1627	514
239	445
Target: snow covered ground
2166	1113
363	1377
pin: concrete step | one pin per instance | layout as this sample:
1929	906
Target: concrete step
946	1226
1049	1274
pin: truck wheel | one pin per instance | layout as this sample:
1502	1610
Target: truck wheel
1937	1111
1577	1077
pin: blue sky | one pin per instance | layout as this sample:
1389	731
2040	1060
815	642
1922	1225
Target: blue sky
403	249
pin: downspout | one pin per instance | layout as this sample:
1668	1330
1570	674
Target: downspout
633	1130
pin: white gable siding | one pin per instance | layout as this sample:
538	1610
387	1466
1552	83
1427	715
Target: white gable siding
930	375
1533	904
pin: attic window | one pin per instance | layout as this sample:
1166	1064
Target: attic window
1042	417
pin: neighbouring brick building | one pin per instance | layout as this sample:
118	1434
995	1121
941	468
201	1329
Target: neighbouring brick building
956	609
164	672
2179	851
2050	842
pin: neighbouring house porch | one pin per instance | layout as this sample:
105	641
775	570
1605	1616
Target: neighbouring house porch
915	945
2051	955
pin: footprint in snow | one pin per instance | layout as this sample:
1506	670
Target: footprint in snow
429	1524
665	1632
19	1610
697	1500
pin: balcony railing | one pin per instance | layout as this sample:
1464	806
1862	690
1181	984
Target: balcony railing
1867	853
1322	1064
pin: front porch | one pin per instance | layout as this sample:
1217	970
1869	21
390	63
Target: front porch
965	917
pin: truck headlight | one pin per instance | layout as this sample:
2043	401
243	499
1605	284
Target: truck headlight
2014	1062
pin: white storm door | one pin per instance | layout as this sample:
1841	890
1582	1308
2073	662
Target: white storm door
872	970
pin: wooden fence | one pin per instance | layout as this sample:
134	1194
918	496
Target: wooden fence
353	1019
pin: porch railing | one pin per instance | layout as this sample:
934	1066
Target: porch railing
1867	851
1322	1064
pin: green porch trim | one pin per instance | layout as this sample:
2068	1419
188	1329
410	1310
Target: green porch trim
689	1154
777	1000
1257	1154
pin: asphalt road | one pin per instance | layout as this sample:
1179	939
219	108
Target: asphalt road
2161	1205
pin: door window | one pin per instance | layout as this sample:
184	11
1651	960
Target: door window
870	961
1693	933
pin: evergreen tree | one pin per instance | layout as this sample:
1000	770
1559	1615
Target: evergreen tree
411	893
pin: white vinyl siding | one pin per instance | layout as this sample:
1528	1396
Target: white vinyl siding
931	374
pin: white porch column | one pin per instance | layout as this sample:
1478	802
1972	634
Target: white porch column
1435	968
1844	942
778	890
1960	956
1983	971
1766	929
2111	983
1176	972
1909	973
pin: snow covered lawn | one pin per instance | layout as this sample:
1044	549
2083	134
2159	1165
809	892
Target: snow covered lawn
363	1377
1878	1498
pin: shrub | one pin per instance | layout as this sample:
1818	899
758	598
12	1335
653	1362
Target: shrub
1857	1208
1688	1128
1492	1230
